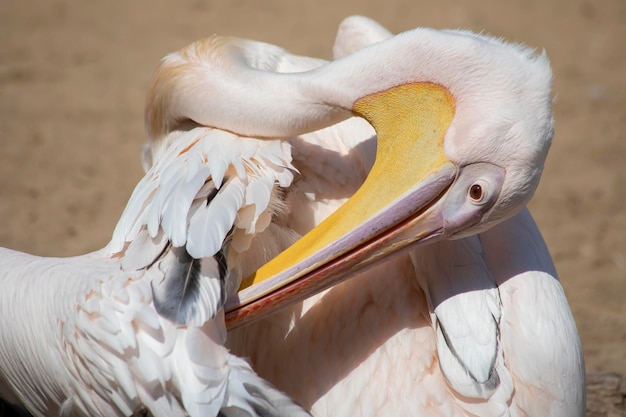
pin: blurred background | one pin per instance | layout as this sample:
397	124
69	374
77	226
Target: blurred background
72	82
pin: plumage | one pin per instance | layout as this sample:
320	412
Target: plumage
351	352
139	324
454	308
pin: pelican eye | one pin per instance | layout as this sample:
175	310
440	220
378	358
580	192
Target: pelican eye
476	192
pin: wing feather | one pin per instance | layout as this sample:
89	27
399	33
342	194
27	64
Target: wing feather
143	250
177	206
467	313
188	291
257	197
135	208
209	225
164	198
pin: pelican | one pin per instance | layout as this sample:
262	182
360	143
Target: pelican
453	306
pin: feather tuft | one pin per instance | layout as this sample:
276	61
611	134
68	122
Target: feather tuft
191	291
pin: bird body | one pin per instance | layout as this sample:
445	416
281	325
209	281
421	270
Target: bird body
99	348
115	332
254	155
374	346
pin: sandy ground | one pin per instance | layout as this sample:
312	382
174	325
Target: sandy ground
73	76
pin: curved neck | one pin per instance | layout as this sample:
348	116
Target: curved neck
237	85
243	86
257	89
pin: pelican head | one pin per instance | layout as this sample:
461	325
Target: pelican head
502	124
462	142
463	122
499	140
500	130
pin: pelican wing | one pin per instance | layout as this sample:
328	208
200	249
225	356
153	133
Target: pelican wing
121	345
209	188
120	355
466	313
192	169
536	312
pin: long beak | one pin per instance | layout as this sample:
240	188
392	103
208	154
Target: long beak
389	212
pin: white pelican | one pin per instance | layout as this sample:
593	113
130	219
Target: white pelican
473	324
476	326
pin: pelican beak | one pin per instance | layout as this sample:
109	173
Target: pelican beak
389	212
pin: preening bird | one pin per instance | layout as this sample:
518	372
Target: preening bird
405	165
476	324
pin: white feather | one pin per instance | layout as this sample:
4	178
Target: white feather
502	111
143	250
177	206
209	225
